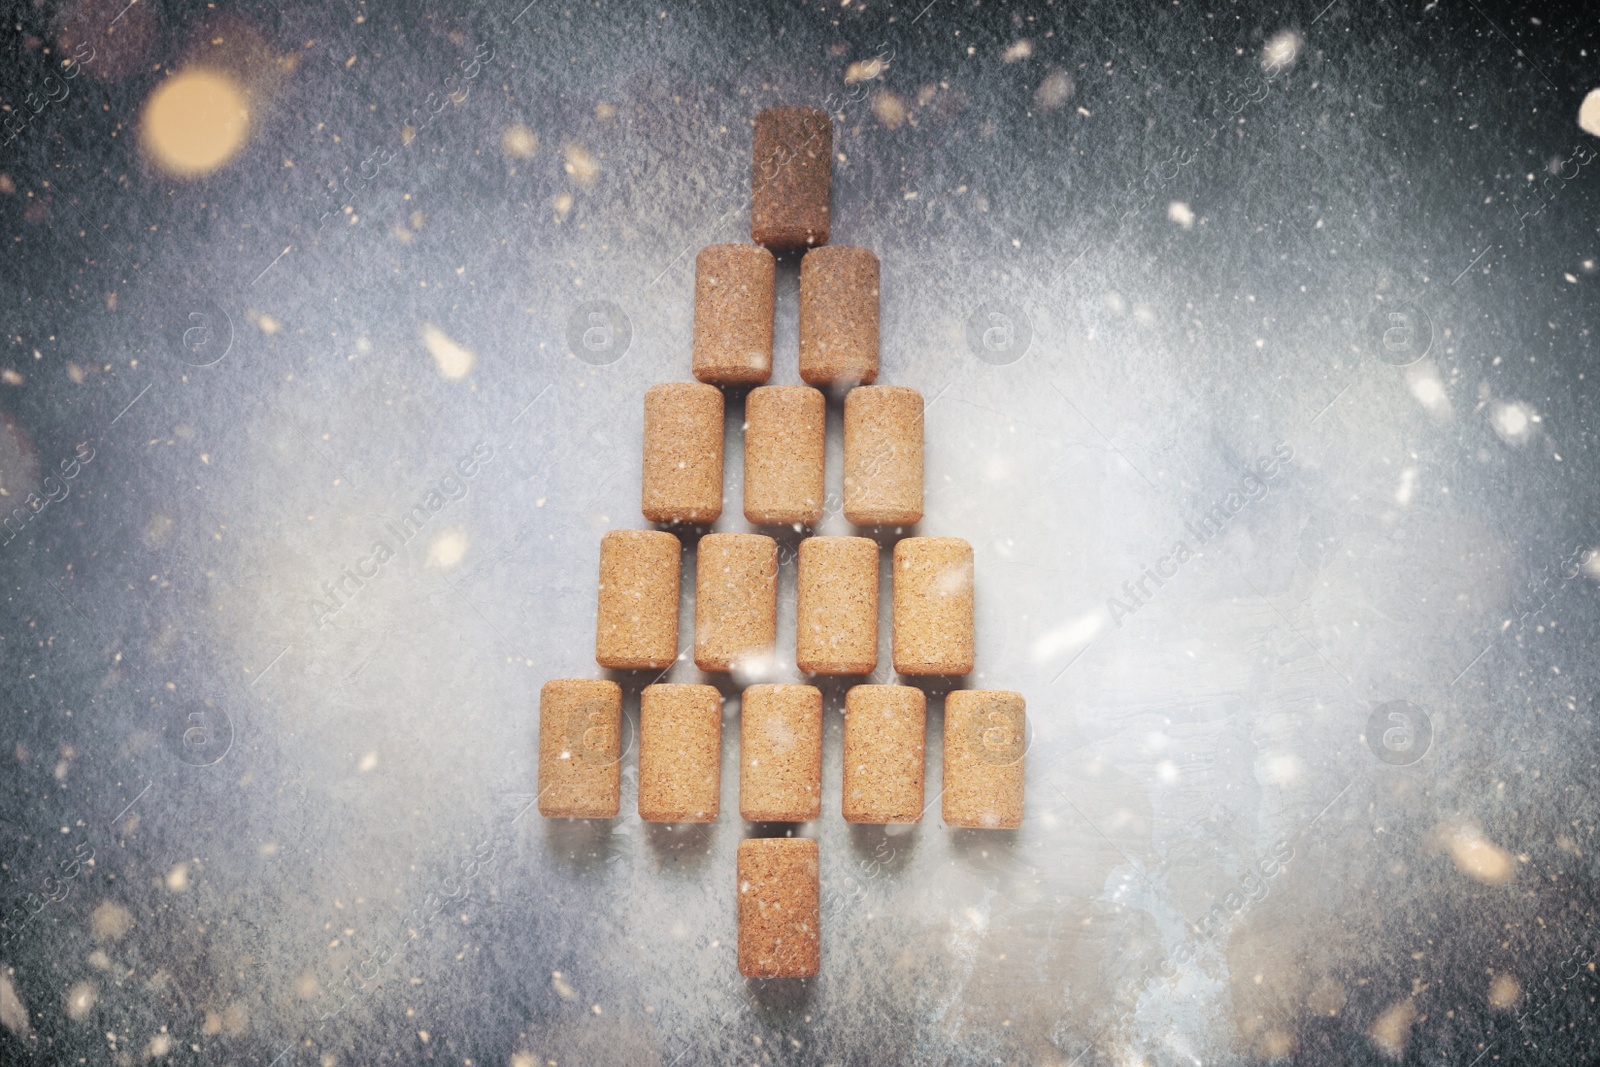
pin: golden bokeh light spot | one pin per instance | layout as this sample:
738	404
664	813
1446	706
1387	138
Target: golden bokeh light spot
194	122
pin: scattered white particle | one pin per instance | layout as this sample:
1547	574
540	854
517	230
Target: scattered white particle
1179	212
1589	113
1018	52
13	1015
369	761
1513	422
1280	52
454	361
1408	486
178	878
1055	90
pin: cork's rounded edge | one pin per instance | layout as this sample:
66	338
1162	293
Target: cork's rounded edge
911	544
689	516
778	393
836	669
878	517
713	540
844	253
869	688
784	815
782	517
904	392
827	540
962	698
610	812
763	688
752	845
825	377
880	818
606	685
729	249
978	824
939	670
634	663
658	537
699	389
701	687
715	375
712	664
696	817
789	238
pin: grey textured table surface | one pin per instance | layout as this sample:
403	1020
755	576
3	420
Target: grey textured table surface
1322	788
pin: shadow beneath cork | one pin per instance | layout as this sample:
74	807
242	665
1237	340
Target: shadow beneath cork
778	1001
985	852
933	686
774	829
585	846
886	537
835	687
687	533
883	849
681	844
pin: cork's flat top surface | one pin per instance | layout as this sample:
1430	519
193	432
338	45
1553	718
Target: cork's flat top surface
779	913
985	755
680	753
780	753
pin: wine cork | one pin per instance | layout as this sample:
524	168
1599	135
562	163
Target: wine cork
836	631
885	728
735	601
680	753
780	753
637	625
682	479
733	314
985	738
784	431
791	174
780	907
839	316
580	749
883	456
933	614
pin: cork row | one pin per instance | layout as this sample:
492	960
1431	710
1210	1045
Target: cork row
734	288
780	754
736	603
784	455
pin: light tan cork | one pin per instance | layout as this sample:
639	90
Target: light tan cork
985	738
733	314
735	601
839	316
791	175
933	614
784	431
780	907
682	479
885	728
837	611
580	749
883	456
780	753
680	753
637	625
